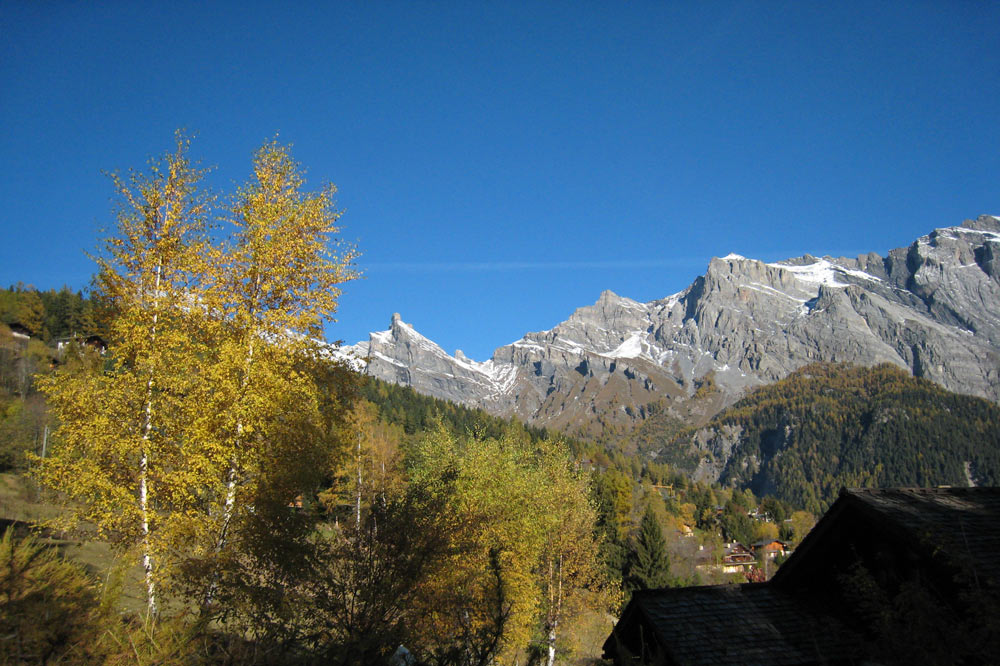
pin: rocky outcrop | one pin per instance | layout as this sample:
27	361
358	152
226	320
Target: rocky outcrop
932	307
403	356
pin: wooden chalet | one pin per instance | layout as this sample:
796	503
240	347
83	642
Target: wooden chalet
753	623
94	342
887	576
737	558
770	549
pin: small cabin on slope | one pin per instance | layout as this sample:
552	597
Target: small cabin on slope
887	576
770	549
737	558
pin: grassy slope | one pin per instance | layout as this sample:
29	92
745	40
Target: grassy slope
22	506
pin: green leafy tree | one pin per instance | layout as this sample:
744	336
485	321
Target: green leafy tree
736	524
484	600
801	523
522	552
571	578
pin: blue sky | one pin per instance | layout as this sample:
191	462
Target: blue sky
500	164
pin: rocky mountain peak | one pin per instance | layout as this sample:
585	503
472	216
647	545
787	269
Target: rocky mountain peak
984	223
932	308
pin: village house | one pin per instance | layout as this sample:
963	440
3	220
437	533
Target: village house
19	332
905	575
769	549
737	558
94	342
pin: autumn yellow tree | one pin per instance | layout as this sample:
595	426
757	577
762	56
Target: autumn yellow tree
570	577
522	554
118	452
369	472
215	406
271	289
482	600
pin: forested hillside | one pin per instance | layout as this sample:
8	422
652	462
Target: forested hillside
50	314
628	490
415	413
832	425
45	317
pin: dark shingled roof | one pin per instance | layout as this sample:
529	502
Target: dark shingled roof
787	621
739	624
962	524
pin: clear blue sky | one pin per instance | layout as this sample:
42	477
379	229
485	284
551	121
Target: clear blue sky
500	164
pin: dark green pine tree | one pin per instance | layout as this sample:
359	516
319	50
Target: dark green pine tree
649	566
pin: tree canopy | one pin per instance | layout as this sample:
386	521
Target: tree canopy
202	406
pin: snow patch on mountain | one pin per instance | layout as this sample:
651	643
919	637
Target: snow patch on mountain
821	272
631	348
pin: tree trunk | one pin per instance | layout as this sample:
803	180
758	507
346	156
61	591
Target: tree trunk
357	498
555	613
229	506
147	429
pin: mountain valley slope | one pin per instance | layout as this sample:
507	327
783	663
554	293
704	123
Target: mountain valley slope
827	425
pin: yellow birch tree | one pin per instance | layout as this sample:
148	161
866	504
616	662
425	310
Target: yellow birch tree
217	404
118	447
272	289
569	574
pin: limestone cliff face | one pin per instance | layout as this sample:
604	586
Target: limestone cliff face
403	356
932	307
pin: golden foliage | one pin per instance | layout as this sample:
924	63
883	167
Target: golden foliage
206	404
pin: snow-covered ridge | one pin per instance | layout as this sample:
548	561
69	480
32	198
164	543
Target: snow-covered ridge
952	232
823	272
631	348
354	356
427	356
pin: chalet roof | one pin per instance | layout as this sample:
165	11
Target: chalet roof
962	524
768	542
754	623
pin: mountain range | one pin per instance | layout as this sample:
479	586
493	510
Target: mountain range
931	308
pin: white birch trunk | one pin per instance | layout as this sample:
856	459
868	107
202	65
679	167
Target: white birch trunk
147	429
556	613
229	506
357	495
